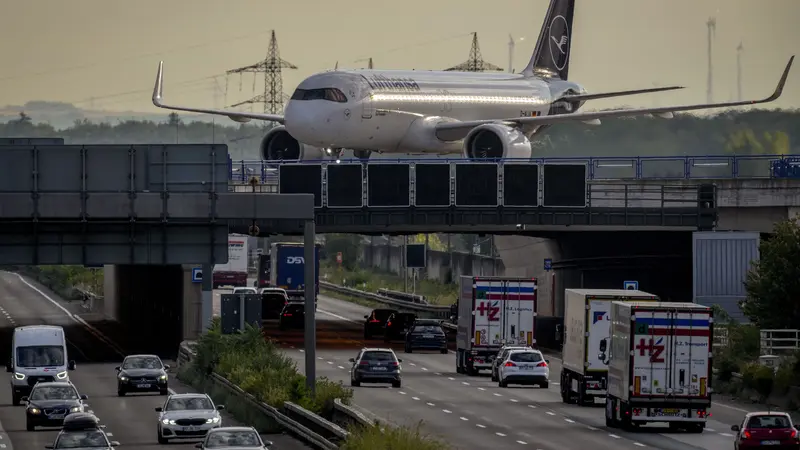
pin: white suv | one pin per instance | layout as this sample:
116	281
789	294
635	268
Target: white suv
524	367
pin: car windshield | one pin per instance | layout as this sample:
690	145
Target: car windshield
244	291
40	356
526	357
382	314
82	439
428	329
142	362
378	356
272	297
53	393
189	403
773	421
221	439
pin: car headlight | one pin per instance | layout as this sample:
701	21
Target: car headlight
167	422
75	409
163	378
34	410
213	420
61	375
19	376
121	378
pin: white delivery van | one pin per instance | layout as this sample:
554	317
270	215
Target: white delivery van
38	354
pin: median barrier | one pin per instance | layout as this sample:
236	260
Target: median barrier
423	311
403	296
309	427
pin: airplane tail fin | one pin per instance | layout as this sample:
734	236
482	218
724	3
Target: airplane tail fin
551	56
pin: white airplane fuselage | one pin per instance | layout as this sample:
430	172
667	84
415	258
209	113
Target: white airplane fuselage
396	111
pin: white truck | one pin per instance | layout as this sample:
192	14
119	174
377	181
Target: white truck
586	334
659	365
492	312
234	272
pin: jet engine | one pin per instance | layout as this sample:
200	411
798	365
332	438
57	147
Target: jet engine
494	141
279	145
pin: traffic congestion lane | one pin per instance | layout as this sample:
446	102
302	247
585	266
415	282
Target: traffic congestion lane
342	310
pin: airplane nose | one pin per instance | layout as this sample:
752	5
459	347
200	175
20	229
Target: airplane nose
310	123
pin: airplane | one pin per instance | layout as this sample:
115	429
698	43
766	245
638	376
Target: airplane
484	116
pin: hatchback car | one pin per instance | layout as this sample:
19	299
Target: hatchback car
187	416
524	367
293	315
397	325
501	357
426	336
766	429
234	438
375	365
375	322
50	403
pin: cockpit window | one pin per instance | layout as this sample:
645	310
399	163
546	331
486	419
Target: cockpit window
330	94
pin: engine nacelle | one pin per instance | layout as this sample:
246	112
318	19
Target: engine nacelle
495	141
279	145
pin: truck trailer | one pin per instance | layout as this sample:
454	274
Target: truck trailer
659	365
234	272
492	312
288	268
586	334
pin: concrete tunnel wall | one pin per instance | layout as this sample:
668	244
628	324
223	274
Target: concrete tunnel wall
156	306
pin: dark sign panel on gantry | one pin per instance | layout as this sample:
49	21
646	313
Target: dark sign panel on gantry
432	185
476	184
112	204
236	310
564	185
345	185
32	141
301	179
388	184
521	184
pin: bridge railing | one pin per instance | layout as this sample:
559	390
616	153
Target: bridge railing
677	167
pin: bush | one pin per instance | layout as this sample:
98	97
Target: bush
370	281
759	378
401	438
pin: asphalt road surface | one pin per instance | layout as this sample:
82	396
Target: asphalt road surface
473	412
131	420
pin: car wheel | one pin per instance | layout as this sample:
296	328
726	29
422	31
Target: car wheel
502	384
443	351
494	377
397	384
120	393
545	385
30	426
163	391
355	383
15	399
162	439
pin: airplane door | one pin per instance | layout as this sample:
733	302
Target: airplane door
366	107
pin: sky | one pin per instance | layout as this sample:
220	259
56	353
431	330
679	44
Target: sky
103	54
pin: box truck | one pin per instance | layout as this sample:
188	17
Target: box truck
586	329
659	365
288	268
492	312
233	272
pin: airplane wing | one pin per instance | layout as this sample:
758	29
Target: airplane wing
453	131
236	116
584	97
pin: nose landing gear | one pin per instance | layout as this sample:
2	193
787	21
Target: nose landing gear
335	153
362	154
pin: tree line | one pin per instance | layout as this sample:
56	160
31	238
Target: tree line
736	132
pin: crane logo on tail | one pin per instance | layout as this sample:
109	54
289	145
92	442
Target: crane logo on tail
559	41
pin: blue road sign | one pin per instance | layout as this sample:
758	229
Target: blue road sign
197	274
630	285
548	264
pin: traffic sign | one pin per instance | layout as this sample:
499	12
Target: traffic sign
548	264
197	274
630	285
339	257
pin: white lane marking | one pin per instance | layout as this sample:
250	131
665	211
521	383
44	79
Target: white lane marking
639	444
592	428
447	411
412	364
514	400
465	383
340	367
464	419
726	434
336	316
430	404
532	406
319	358
415	398
424	369
402	393
302	351
497	395
522	442
550	413
481	389
329	362
614	436
480	426
449	378
731	407
109	434
710	429
500	434
569	420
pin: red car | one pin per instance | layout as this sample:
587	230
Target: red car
766	429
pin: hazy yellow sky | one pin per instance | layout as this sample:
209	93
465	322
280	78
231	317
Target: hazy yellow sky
104	53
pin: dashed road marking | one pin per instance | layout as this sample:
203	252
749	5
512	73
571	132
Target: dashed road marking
480	425
464	419
513	400
500	434
639	444
522	443
614	436
430	404
447	411
569	420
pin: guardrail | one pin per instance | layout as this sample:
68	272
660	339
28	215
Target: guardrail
307	426
598	167
403	296
426	311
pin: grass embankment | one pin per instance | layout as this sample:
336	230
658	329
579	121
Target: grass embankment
63	280
436	293
259	368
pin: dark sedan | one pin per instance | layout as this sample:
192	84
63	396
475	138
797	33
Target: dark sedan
293	315
49	403
426	336
142	373
375	322
397	325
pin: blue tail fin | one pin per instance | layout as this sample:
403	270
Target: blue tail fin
550	58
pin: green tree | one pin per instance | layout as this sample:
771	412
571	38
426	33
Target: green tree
348	244
773	283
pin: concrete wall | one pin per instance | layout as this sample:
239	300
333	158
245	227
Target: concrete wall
524	256
390	259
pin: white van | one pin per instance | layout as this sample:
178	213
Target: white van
38	354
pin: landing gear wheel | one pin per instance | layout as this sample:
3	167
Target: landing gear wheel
362	154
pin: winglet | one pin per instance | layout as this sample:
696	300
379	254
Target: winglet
781	83
159	87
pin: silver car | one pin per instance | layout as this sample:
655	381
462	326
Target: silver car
234	438
187	416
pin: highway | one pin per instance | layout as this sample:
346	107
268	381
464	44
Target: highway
473	412
131	420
